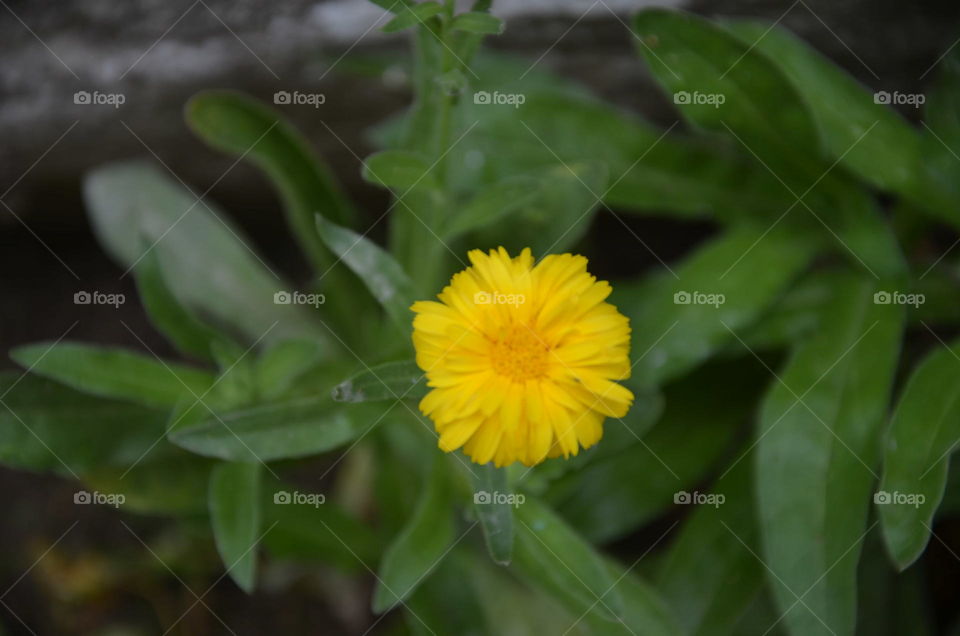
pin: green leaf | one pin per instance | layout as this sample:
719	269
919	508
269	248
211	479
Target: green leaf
235	517
280	366
551	555
491	205
614	495
306	530
869	138
113	373
565	201
795	315
451	585
248	129
711	573
823	420
411	15
923	434
495	512
645	611
382	275
477	22
721	84
282	430
45	425
168	481
399	169
387	381
129	203
173	320
419	547
680	318
240	125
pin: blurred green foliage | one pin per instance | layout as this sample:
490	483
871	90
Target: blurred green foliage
773	398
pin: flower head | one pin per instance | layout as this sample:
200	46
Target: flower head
522	358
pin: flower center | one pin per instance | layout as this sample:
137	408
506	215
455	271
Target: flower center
519	354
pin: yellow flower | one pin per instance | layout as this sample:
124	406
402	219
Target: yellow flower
521	358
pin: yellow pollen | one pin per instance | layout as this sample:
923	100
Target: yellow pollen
519	354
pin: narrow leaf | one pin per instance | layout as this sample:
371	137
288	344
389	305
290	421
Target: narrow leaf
823	419
382	275
857	128
923	434
45	425
681	317
171	318
235	517
494	505
113	373
412	15
419	547
383	382
283	430
491	205
551	555
477	22
129	203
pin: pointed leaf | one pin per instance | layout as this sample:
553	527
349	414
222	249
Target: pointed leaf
554	557
419	547
235	517
132	202
384	382
113	373
382	275
923	434
282	430
822	420
494	507
412	15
